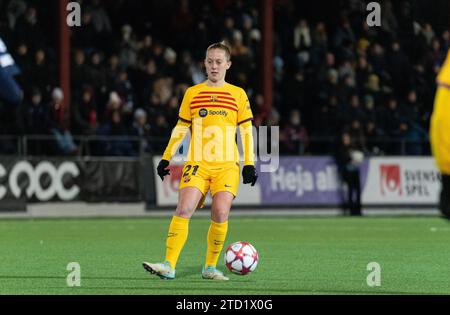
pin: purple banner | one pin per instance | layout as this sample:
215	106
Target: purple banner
305	181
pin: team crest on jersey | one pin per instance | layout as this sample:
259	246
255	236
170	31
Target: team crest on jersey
203	112
213	98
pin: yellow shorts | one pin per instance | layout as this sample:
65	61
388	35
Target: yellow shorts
440	130
210	177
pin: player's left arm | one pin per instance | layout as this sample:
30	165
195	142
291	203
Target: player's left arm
245	118
245	130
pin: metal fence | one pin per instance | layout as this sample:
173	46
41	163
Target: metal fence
47	145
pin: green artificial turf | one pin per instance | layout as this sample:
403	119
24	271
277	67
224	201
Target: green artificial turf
297	256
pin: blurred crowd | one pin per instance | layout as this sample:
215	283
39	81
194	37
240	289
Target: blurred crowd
131	62
375	83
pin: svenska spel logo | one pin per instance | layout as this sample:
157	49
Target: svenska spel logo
390	179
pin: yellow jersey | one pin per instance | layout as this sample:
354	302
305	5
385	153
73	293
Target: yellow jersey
443	77
213	114
440	120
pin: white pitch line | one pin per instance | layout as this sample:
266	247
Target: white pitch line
87	210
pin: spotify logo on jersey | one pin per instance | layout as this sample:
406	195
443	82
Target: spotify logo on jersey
203	112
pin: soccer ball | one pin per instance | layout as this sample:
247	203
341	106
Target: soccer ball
241	258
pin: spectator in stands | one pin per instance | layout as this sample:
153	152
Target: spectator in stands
377	59
391	118
57	125
79	71
228	29
356	132
102	25
445	40
84	113
294	137
161	131
320	44
373	88
115	103
389	22
412	107
327	119
145	49
374	138
251	35
362	72
302	36
397	64
85	36
36	122
259	110
330	88
242	55
370	112
141	128
344	33
125	90
172	109
411	138
146	76
28	28
22	58
348	158
354	111
95	75
119	143
15	9
112	70
181	22
128	47
324	67
347	87
42	72
100	18
171	67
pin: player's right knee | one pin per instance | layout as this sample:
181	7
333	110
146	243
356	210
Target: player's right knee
184	211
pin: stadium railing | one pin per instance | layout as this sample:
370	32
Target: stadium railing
96	145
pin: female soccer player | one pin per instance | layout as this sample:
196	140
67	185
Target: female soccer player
440	134
212	110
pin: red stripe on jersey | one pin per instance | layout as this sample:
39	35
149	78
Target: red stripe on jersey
226	98
219	93
244	121
216	102
214	106
444	85
185	120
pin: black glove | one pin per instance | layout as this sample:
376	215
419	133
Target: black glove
162	171
249	174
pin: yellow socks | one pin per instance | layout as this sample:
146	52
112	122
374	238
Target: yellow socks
216	237
177	236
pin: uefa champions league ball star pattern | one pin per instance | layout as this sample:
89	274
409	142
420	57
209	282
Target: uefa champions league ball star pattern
241	258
